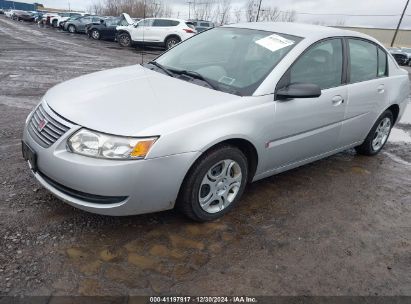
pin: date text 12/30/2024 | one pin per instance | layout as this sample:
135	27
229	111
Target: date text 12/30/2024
240	299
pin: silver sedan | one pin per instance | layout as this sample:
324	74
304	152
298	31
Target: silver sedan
227	107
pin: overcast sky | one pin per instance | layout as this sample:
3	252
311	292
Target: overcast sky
320	7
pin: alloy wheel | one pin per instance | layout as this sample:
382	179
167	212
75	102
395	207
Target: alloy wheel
381	134
220	186
95	34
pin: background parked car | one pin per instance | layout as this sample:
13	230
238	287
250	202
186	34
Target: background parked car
23	16
47	17
401	57
105	29
407	51
61	17
165	32
202	25
1	11
78	25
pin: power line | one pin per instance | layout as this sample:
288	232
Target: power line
399	23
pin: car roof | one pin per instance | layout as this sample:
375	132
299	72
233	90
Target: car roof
174	19
303	30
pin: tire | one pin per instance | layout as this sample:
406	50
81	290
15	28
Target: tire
171	42
95	34
124	39
71	29
206	181
54	23
378	135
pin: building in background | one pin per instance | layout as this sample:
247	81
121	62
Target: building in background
384	35
4	4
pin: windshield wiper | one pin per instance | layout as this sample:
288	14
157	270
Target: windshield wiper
164	69
194	74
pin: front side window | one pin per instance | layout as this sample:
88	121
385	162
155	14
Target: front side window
363	60
146	22
322	64
234	60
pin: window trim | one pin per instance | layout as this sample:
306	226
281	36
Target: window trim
280	83
387	74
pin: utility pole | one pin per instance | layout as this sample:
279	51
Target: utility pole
69	5
189	8
399	23
259	8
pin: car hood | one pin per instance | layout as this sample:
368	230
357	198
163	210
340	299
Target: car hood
126	101
128	18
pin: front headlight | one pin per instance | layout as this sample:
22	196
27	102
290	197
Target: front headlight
94	144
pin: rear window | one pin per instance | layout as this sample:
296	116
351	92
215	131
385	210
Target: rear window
165	23
205	24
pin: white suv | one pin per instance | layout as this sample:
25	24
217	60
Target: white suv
166	32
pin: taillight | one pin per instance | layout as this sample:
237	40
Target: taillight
189	31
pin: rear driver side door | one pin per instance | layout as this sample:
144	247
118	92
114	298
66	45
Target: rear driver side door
304	128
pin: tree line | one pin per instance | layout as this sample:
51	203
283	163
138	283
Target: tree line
219	11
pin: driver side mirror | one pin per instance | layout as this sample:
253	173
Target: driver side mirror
298	90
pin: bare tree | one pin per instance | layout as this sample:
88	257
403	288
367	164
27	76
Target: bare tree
289	16
250	11
270	14
135	8
340	22
204	9
222	13
238	15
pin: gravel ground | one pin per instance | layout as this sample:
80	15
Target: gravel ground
340	226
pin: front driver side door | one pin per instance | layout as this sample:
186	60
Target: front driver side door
142	31
304	128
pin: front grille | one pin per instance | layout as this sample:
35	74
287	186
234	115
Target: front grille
44	129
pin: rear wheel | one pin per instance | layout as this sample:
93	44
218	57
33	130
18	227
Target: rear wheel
214	184
124	39
171	42
71	28
95	34
378	135
54	24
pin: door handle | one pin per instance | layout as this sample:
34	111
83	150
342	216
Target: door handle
337	100
381	89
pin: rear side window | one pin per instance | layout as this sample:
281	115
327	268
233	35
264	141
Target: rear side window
363	60
146	22
382	63
165	23
322	64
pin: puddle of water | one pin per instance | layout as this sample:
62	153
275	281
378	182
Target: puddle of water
399	136
397	159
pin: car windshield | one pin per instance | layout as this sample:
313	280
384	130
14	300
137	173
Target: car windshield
407	50
233	60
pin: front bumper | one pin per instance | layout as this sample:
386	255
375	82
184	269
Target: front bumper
138	186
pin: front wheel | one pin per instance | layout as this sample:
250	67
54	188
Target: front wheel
378	135
214	185
124	39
